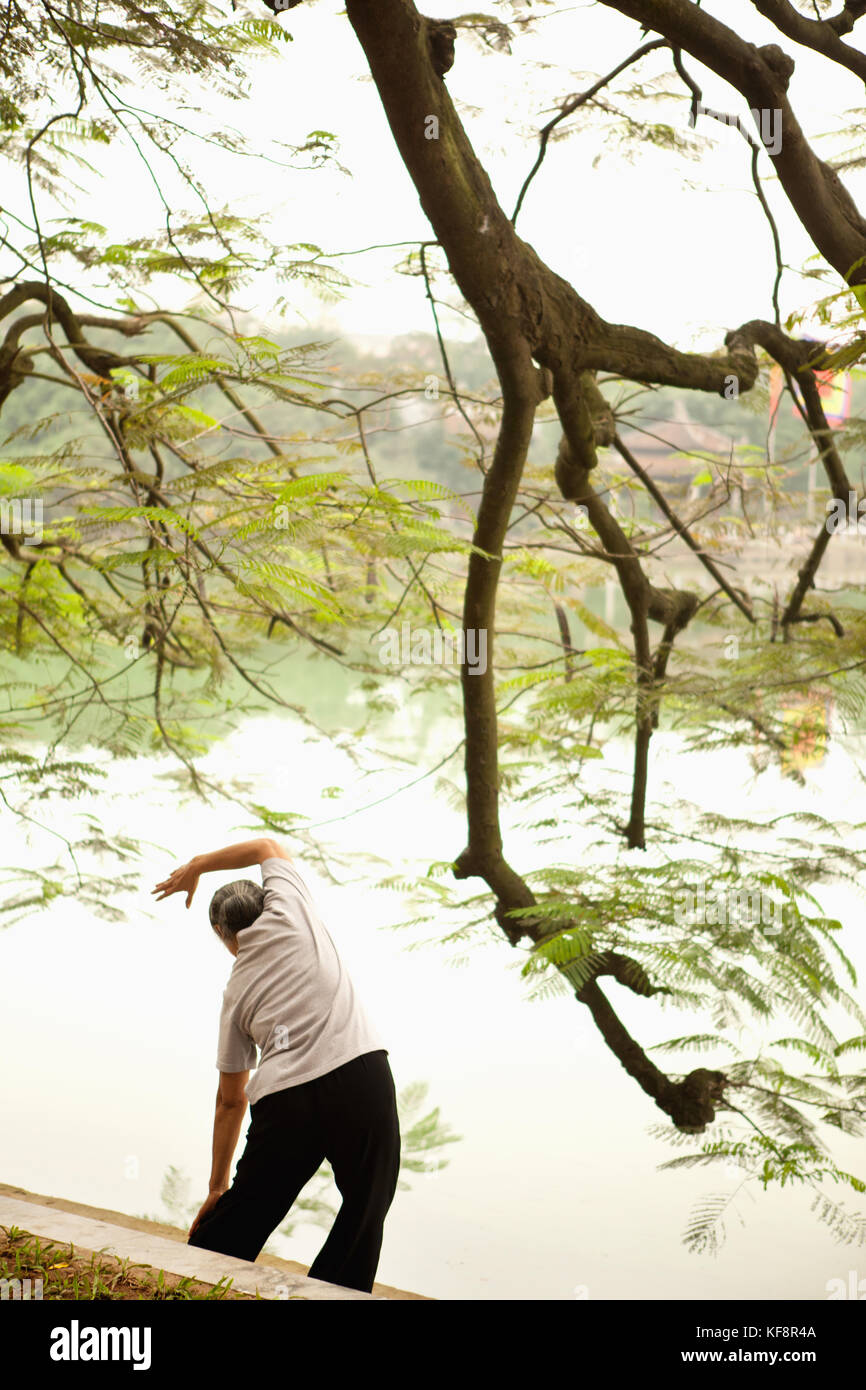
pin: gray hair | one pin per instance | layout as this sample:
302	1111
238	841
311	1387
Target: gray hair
235	906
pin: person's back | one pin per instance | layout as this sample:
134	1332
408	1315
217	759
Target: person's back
323	1087
289	993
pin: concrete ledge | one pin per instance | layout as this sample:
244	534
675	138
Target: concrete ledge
175	1257
173	1233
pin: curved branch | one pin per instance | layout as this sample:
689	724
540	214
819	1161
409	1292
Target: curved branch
527	312
761	75
508	286
573	104
801	359
682	530
100	361
823	36
691	1103
755	147
522	392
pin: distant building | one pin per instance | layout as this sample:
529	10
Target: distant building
678	449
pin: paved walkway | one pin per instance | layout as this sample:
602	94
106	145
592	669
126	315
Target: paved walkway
90	1233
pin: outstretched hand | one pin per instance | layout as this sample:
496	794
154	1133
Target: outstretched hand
182	880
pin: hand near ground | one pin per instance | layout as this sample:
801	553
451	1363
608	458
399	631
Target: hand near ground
207	1206
182	880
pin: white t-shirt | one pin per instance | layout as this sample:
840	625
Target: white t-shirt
289	994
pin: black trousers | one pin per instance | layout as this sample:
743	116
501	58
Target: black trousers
349	1117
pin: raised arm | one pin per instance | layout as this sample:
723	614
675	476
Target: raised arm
240	856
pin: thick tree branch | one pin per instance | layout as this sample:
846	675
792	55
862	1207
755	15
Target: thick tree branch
510	289
690	1103
844	22
527	312
819	34
815	191
522	391
14	362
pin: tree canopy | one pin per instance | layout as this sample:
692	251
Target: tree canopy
211	486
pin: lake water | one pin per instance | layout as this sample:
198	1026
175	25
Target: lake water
553	1192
